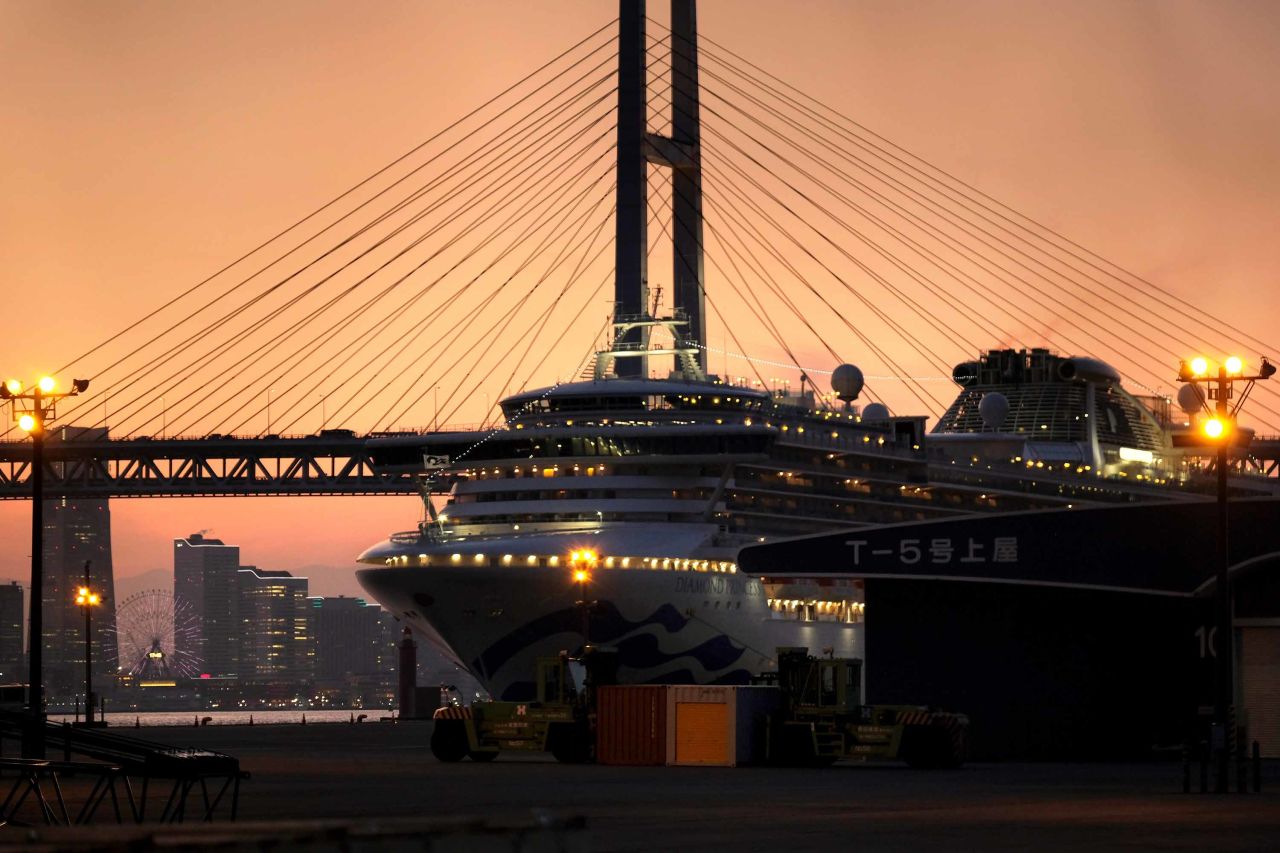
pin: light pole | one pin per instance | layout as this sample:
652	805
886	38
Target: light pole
88	599
33	410
1219	428
582	562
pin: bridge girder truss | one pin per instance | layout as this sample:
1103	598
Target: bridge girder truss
200	467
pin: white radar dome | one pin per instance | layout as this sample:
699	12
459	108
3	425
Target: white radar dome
876	412
1191	399
994	408
846	381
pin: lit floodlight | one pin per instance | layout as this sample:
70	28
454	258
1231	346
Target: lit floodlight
27	423
13	386
581	576
1234	366
1199	366
47	384
1214	428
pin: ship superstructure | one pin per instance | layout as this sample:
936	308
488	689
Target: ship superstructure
655	483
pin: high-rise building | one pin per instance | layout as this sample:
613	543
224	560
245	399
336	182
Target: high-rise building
274	640
206	576
12	660
347	634
76	532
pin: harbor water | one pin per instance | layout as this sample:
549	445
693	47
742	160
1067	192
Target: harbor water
232	718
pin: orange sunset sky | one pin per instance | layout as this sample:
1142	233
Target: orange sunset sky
147	144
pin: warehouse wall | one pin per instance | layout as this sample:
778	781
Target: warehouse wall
1043	672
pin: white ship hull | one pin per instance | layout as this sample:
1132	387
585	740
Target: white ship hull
668	626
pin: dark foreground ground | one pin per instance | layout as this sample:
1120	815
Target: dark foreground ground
385	770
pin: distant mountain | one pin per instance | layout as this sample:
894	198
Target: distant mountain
323	580
331	580
153	579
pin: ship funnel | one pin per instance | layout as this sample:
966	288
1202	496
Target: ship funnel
1087	370
965	373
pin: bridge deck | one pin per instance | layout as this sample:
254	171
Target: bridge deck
336	464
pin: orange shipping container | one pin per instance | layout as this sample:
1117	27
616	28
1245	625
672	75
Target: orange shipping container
631	725
718	726
701	727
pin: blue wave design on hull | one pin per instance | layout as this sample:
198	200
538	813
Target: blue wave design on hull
526	691
607	625
640	652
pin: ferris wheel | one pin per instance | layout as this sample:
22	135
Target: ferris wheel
158	634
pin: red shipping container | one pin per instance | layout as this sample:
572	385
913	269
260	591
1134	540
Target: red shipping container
631	725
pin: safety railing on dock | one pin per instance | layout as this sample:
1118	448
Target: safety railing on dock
127	770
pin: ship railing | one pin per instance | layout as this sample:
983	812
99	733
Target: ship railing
443	428
820	436
427	531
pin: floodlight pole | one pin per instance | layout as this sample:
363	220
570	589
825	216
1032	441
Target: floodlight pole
1224	683
43	397
88	649
586	612
1221	639
33	743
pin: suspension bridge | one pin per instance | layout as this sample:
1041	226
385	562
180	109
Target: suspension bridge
477	265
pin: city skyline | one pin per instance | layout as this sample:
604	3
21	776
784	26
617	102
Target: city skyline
155	143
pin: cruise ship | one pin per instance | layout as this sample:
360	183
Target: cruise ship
612	509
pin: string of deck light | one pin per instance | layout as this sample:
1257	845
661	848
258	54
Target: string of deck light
755	308
527	407
530	404
914	342
533	114
545	171
241	308
1142	383
1138	383
467	161
422	327
367	180
982	199
931	403
497	331
946	329
473	315
344	322
957	186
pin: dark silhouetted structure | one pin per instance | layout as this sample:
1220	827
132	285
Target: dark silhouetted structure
205	574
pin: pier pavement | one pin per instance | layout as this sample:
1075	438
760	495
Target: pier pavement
327	771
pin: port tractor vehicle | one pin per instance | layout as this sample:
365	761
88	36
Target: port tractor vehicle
560	719
822	719
817	719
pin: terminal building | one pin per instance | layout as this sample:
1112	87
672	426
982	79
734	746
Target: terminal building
205	575
1065	633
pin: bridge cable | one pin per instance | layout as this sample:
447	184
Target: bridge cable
339	197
